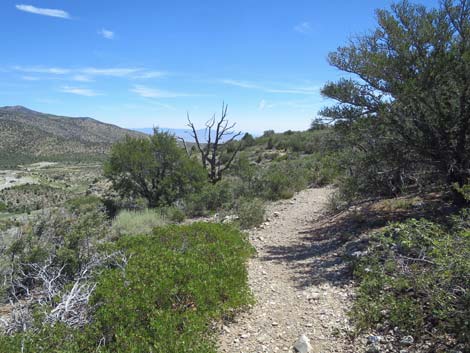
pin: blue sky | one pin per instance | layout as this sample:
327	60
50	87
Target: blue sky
146	63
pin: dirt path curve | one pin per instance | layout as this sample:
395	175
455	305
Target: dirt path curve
299	283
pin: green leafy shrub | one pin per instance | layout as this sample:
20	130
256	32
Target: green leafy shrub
212	197
85	204
175	214
176	282
156	169
281	179
416	278
250	212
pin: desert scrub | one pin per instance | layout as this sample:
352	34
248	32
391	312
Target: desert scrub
416	277
250	212
177	281
138	222
31	197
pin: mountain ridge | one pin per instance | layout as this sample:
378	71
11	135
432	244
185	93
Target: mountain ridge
29	136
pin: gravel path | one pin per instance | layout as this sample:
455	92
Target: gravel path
299	282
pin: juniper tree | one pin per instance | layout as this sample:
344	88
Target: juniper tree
410	78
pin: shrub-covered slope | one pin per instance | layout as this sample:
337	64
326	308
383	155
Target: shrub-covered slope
28	136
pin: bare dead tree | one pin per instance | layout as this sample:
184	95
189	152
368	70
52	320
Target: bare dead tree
216	132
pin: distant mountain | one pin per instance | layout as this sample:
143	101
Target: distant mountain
186	134
182	133
28	136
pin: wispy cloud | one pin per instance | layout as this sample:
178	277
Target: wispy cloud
44	12
242	84
43	70
303	90
262	104
30	78
303	27
88	73
151	74
82	78
115	72
148	92
106	33
87	92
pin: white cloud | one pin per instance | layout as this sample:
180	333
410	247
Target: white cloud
151	74
43	70
262	105
42	11
303	27
82	78
242	84
80	91
30	78
115	72
148	92
88	73
106	33
309	90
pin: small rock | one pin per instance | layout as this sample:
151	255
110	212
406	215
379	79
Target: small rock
358	254
314	296
226	329
303	345
245	335
374	339
407	340
274	323
276	214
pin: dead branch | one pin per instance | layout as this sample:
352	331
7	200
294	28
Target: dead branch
210	150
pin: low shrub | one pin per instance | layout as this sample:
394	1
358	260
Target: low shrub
84	204
212	197
415	277
250	212
175	214
138	222
177	281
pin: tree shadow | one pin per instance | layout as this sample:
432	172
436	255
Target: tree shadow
325	248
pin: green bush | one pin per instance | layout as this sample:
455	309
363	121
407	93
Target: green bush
138	222
212	197
156	169
178	280
250	212
281	179
85	204
416	278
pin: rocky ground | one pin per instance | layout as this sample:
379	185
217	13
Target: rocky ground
300	282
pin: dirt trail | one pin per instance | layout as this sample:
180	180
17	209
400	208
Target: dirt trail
299	282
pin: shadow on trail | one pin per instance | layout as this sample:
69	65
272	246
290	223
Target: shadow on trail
324	249
318	256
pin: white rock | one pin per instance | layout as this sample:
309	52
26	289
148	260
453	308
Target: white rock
374	339
407	340
303	345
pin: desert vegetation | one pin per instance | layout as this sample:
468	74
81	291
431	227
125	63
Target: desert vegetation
145	251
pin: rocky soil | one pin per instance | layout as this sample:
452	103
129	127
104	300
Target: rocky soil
300	282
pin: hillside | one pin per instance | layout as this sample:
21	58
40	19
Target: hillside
29	136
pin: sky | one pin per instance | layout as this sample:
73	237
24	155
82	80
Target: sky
146	63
